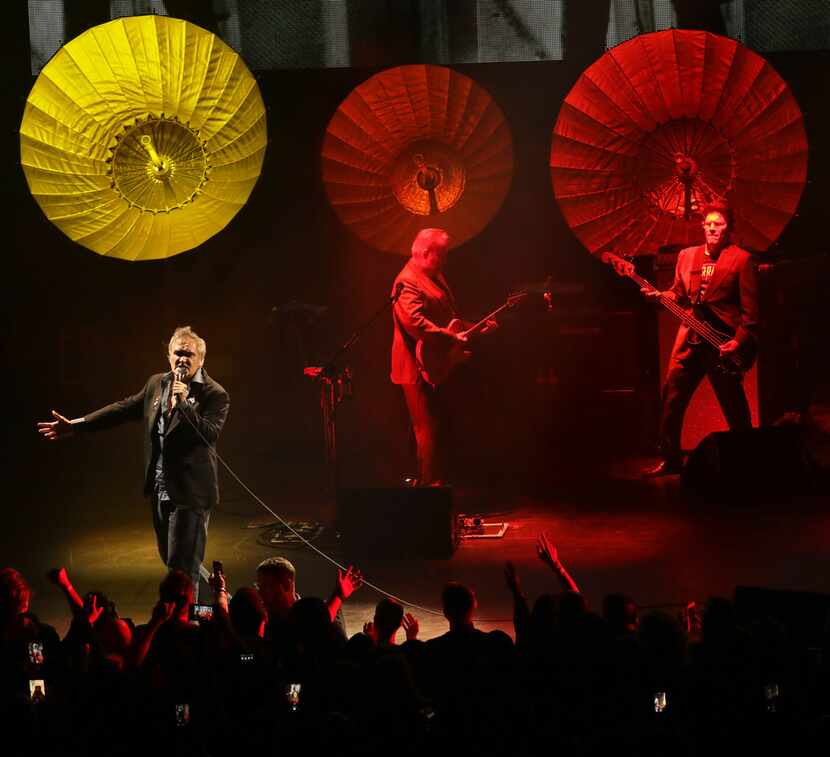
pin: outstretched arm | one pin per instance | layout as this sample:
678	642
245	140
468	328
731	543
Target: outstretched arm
548	555
59	577
60	428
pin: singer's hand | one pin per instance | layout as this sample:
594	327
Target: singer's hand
179	391
57	429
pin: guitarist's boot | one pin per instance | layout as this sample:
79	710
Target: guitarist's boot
666	467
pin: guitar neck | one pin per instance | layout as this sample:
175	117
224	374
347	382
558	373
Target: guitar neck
701	328
480	324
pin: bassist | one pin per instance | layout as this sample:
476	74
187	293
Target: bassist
717	280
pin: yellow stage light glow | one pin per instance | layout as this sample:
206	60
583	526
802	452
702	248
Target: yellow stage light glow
143	137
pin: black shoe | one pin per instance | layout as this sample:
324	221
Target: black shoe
663	468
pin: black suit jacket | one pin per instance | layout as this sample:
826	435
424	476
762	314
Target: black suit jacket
190	471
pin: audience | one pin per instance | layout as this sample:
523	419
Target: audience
268	672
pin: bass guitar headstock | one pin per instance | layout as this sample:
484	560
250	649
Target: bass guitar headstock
515	299
622	266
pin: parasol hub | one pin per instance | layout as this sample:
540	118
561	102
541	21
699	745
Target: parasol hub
159	164
428	178
162	167
685	167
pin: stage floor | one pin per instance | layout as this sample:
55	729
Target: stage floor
653	540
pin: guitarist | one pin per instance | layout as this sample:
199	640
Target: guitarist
424	300
716	279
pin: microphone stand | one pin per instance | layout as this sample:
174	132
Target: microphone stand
336	385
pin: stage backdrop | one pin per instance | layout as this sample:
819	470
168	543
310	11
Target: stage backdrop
573	384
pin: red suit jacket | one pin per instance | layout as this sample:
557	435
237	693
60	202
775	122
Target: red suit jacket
423	310
731	295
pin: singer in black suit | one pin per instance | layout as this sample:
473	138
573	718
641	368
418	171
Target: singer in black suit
183	411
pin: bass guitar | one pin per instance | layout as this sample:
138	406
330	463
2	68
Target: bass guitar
700	330
437	360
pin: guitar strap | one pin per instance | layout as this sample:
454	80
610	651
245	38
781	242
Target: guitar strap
694	276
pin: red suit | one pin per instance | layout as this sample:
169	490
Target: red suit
422	311
731	295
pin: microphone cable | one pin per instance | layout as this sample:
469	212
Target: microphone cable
299	536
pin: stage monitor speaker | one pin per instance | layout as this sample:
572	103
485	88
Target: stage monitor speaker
396	522
757	460
805	615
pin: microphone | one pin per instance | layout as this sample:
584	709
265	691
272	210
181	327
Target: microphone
179	373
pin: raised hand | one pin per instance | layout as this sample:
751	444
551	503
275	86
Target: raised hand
410	626
546	551
59	428
59	577
348	582
91	610
512	578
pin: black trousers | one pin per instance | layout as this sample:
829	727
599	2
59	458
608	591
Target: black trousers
687	367
181	536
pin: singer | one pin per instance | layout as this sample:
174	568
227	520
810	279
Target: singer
183	411
423	300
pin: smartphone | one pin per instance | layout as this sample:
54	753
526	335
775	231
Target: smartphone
293	695
660	701
36	652
182	714
37	690
218	570
201	612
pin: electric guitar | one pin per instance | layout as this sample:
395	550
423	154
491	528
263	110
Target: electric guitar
437	360
701	331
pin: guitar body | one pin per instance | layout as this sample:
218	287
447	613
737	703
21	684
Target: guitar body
739	361
437	361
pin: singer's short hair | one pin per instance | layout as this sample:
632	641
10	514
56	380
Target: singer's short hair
185	332
722	207
427	240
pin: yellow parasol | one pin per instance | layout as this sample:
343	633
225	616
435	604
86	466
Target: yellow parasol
143	137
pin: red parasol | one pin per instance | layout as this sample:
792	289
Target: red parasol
417	146
662	124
